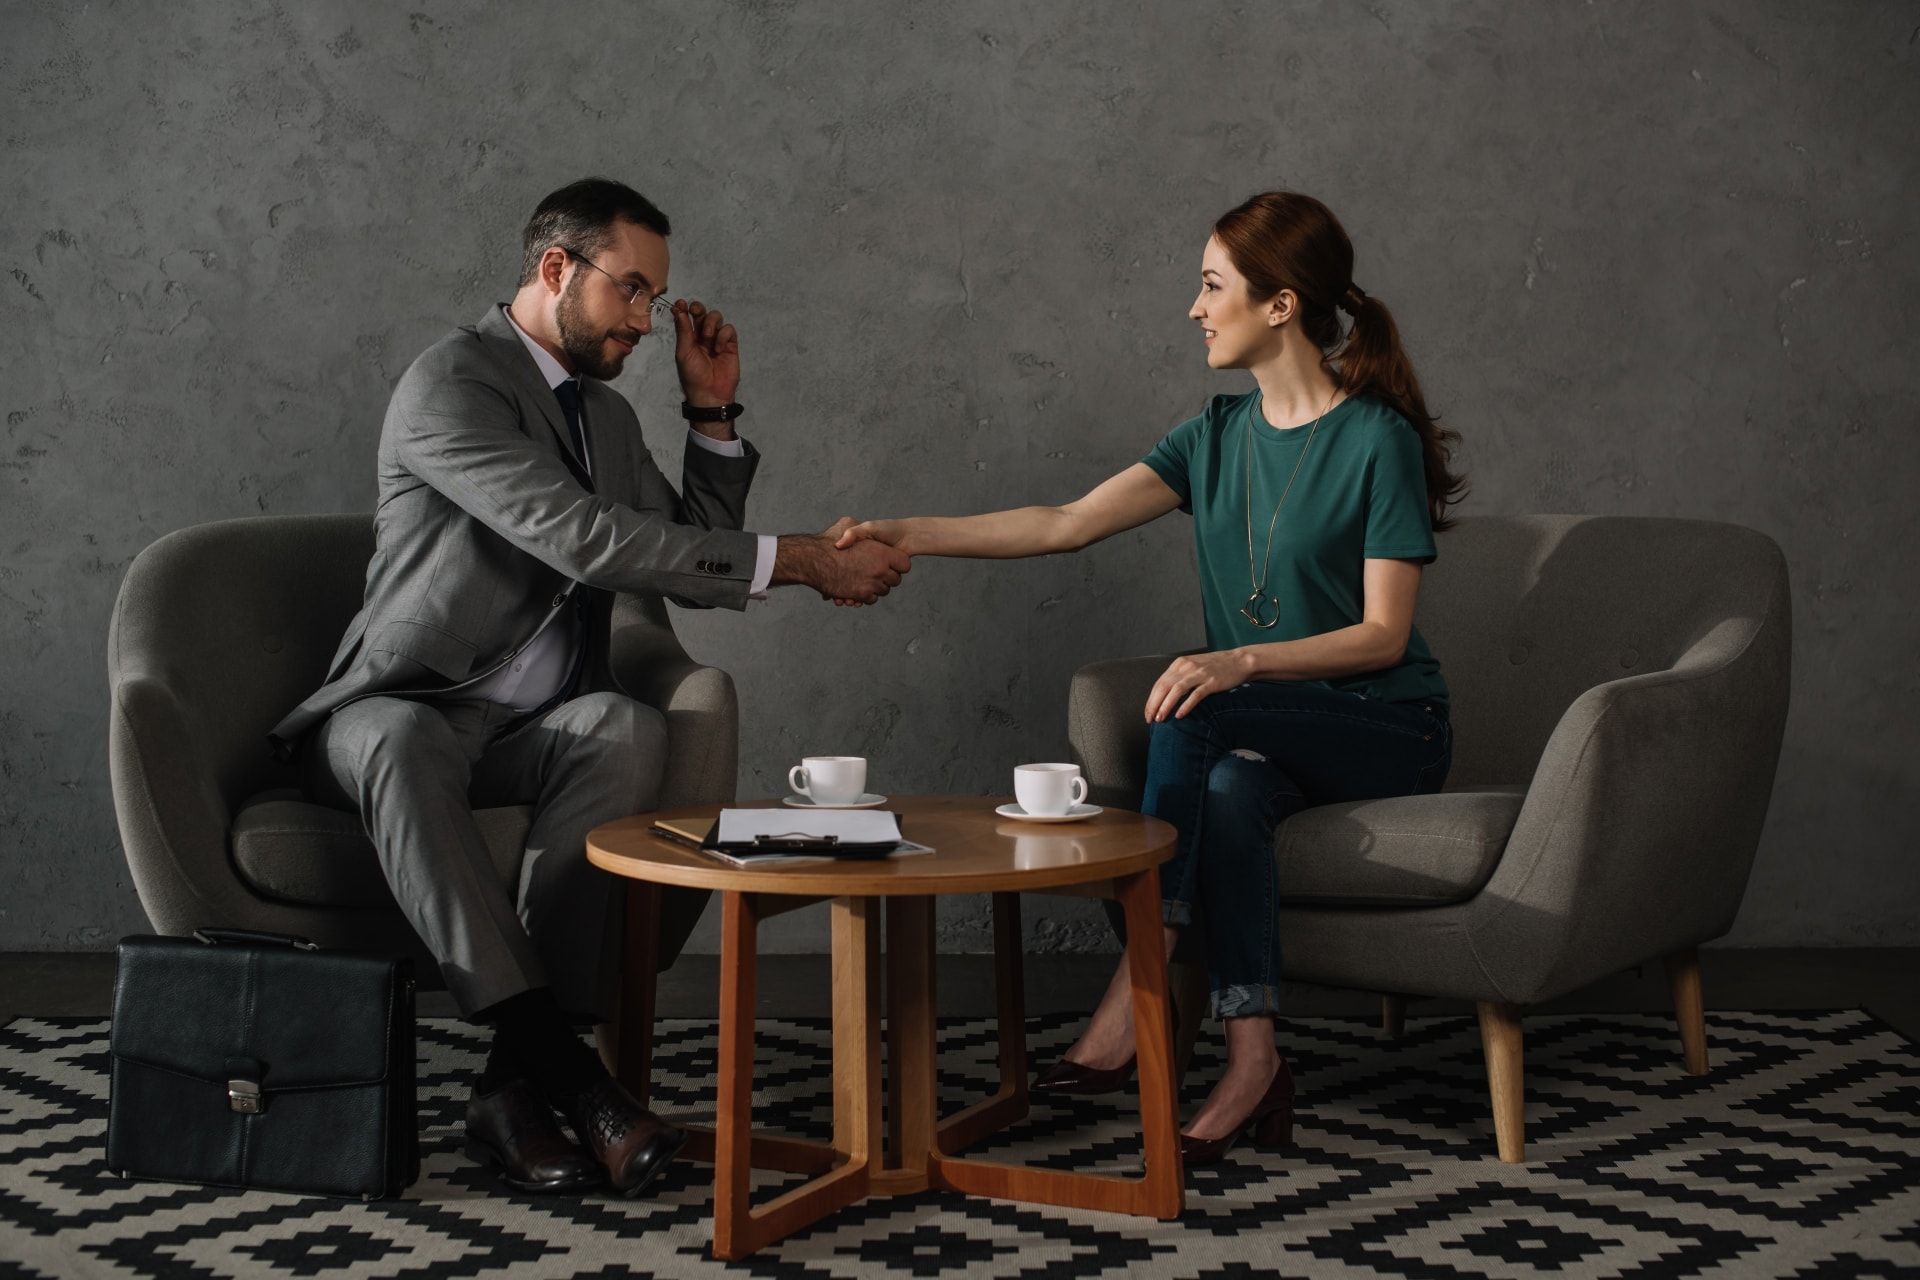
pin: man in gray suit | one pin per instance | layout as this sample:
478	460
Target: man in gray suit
516	496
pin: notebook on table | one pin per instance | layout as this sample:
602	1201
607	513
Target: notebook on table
745	837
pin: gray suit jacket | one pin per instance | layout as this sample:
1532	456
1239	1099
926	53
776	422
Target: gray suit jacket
486	526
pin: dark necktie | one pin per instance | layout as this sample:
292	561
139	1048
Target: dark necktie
568	394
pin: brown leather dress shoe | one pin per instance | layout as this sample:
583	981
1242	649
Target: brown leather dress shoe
633	1143
514	1131
1271	1121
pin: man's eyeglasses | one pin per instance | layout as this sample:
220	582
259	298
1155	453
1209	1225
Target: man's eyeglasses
659	310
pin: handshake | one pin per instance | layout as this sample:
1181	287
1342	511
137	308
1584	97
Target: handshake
849	563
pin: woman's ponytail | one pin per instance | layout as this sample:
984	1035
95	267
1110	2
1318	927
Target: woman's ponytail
1372	362
1283	240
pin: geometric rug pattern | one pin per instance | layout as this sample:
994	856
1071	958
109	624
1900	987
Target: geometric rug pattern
1798	1156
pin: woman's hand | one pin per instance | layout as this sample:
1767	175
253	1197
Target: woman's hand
891	532
1194	678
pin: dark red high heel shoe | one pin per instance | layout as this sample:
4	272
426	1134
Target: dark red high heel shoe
1271	1121
1080	1080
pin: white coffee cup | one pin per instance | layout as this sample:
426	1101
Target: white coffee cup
1048	790
830	779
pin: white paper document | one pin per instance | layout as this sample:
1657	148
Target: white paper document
852	826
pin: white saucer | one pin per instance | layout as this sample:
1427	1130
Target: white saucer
1075	814
868	800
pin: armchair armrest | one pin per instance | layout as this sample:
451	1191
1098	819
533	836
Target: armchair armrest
1641	823
1106	729
699	702
703	733
171	816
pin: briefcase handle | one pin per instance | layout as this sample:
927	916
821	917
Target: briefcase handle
213	937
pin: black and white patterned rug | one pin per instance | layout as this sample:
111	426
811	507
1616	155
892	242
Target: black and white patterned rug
1798	1156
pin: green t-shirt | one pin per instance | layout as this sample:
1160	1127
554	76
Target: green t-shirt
1361	494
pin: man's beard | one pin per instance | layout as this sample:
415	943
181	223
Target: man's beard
587	349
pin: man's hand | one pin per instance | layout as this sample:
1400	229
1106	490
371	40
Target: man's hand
706	351
861	574
1195	677
890	532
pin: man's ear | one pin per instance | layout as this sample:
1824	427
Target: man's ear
553	267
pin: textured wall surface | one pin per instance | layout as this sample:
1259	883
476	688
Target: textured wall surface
1650	259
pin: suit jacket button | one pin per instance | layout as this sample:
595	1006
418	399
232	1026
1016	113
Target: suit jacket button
701	565
725	567
559	600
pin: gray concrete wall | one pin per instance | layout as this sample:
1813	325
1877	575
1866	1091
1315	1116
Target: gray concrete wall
1651	258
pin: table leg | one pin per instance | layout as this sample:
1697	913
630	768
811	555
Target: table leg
733	1236
1162	1192
1010	977
738	1227
911	1044
1008	1105
1157	1194
639	983
856	1029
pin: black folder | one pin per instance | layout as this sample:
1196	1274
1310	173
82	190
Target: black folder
700	834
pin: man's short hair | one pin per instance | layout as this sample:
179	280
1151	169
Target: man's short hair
580	216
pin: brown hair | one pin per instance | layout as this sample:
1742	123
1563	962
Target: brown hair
579	217
1284	240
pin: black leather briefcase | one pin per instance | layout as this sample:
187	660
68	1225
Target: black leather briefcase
254	1060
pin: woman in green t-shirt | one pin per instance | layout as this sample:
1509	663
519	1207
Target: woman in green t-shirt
1314	500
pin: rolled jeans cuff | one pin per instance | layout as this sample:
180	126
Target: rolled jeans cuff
1175	914
1246	1001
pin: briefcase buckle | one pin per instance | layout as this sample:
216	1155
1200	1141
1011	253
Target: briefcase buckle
244	1096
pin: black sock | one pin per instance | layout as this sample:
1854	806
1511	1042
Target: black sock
502	1068
532	1040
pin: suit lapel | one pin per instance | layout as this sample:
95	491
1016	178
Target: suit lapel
497	335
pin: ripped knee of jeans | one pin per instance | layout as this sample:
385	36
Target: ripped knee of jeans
1246	754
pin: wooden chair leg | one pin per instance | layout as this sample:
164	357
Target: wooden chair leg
1683	976
1393	1016
1500	1037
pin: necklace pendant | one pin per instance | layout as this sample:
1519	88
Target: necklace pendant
1257	604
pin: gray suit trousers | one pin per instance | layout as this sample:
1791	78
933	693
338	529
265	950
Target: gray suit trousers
415	770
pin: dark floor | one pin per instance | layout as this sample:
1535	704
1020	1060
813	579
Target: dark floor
1884	980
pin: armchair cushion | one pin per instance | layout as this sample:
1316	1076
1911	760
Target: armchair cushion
314	856
1407	851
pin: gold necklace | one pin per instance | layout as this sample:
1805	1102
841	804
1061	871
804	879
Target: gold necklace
1256	606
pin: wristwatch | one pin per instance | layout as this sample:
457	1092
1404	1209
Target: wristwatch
715	413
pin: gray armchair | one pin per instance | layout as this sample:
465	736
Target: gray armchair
1619	693
219	630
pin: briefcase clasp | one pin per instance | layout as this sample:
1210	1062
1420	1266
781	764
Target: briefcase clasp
244	1096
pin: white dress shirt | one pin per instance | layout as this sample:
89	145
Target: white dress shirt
542	669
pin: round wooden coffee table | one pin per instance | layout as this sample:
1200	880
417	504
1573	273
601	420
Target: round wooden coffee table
1115	854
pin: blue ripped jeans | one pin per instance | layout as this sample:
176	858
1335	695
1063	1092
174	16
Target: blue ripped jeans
1238	765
